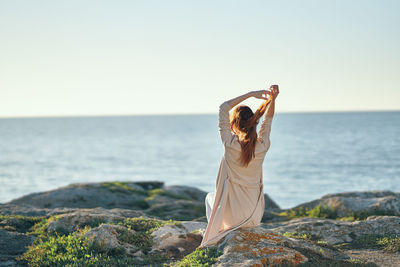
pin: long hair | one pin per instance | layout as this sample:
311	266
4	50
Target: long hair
244	125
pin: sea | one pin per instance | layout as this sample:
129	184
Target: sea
311	154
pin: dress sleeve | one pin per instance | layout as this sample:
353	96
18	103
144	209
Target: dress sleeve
224	123
265	129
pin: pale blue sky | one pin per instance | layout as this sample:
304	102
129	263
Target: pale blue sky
162	57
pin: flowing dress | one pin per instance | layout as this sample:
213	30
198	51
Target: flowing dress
238	200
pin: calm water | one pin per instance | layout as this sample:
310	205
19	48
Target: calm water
311	154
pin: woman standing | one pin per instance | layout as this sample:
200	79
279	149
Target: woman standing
239	199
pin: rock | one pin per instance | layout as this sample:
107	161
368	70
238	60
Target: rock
184	210
153	198
360	204
12	244
70	222
88	195
260	247
106	237
150	197
187	191
176	241
336	232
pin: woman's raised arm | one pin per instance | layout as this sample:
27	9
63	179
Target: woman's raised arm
265	128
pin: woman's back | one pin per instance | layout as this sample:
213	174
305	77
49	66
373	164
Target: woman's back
238	200
253	171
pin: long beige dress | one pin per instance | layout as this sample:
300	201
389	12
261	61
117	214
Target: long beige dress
238	200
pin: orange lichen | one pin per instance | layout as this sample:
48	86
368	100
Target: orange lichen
255	237
240	247
268	255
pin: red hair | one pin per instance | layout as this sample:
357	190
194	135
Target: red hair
244	125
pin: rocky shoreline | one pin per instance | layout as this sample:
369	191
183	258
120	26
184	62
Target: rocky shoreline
148	223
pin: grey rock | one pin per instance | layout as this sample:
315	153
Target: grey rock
177	210
370	202
336	232
12	244
105	238
189	192
88	195
258	246
176	241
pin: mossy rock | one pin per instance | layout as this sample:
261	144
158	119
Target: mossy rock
18	223
182	210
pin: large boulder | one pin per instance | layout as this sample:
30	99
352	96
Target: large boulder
70	222
336	232
260	247
359	204
88	195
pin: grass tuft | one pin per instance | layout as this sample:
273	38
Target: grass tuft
200	257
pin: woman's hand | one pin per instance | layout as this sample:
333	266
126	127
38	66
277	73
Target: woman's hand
262	94
274	91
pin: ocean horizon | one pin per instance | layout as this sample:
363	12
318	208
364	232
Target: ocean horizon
311	153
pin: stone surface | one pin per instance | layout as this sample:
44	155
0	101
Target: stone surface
261	247
177	210
88	195
176	241
105	238
336	232
102	205
187	191
12	244
173	202
371	202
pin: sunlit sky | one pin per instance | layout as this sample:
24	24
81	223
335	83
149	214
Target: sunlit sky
71	58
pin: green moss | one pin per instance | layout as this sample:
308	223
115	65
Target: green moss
320	211
323	211
60	249
362	215
18	223
143	228
390	243
150	185
40	228
122	187
94	222
71	250
141	224
296	235
200	257
158	191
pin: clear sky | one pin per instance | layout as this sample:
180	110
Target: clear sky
61	58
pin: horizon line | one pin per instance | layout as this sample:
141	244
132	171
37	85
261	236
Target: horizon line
185	114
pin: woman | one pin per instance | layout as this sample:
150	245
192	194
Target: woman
239	199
